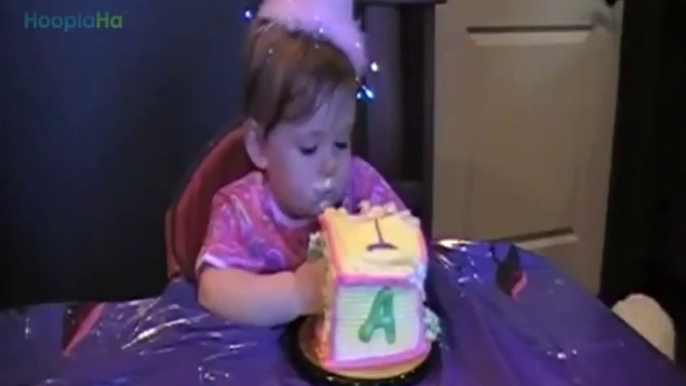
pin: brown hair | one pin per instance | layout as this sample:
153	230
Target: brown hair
287	73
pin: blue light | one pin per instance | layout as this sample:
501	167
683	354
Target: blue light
248	14
374	67
365	93
369	93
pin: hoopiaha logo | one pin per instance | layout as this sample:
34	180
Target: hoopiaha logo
98	20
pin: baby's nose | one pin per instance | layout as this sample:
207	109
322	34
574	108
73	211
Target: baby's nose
329	166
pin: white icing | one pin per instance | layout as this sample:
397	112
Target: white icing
316	244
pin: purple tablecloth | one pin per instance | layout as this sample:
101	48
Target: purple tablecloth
555	333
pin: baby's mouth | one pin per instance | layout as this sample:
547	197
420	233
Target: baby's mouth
329	203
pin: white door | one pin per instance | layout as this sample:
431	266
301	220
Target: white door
525	107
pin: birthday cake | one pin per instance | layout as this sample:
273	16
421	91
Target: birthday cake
374	314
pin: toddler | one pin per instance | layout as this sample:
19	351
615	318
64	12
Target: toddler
302	68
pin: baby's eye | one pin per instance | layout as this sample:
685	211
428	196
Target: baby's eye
308	150
342	145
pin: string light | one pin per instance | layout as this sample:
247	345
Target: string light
374	67
248	14
365	93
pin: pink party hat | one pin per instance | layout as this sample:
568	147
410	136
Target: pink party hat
330	19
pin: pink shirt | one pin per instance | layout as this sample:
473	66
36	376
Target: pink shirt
247	232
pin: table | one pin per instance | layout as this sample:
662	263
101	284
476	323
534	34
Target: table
553	333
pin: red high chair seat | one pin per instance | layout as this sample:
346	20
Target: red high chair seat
186	220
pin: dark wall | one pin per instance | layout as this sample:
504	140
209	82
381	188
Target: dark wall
646	235
97	127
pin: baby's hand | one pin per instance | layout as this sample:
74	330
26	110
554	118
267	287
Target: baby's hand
310	278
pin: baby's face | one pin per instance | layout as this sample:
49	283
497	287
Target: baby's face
309	161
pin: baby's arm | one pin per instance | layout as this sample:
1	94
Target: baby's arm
229	282
263	300
249	298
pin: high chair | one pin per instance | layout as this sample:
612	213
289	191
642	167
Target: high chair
224	161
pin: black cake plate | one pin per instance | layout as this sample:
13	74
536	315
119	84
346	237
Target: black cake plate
319	376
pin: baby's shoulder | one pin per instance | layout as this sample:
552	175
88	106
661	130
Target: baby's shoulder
241	204
361	169
364	177
248	190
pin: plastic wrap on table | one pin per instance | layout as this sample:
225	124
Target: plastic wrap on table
552	333
30	344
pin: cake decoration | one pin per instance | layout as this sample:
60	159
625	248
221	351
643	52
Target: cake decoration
316	248
433	325
380	317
